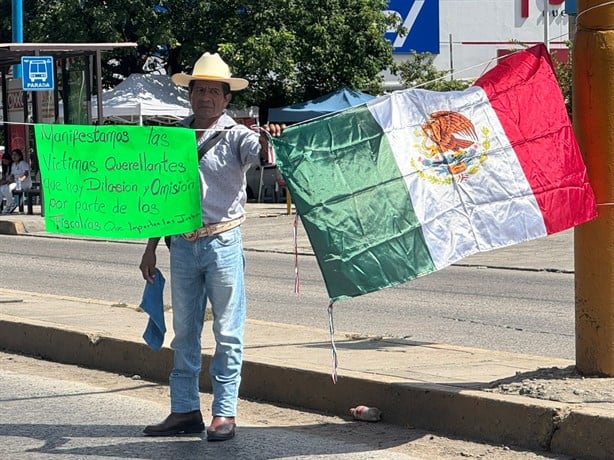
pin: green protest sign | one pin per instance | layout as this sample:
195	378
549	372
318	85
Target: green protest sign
119	181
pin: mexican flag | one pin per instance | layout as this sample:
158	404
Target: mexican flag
414	181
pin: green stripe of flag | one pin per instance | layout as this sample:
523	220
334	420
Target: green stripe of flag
353	203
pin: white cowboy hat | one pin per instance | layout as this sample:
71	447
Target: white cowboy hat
210	67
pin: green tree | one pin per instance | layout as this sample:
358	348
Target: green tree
290	50
96	21
563	70
297	50
6	31
419	70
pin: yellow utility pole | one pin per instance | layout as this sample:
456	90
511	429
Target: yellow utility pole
593	119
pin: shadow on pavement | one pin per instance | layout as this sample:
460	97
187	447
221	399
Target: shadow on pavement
127	441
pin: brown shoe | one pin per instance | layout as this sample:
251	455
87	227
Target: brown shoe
221	429
177	423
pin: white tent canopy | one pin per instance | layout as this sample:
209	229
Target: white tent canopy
143	97
154	98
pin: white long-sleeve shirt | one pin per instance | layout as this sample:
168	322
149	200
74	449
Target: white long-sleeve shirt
223	167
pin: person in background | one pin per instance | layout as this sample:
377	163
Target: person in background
7	161
208	264
18	179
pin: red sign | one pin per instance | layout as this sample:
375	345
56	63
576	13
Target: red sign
17	138
524	6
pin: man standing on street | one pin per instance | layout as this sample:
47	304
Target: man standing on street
208	264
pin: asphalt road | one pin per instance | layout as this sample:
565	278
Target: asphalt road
53	411
97	415
511	310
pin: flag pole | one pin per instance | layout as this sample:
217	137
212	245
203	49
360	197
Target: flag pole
593	119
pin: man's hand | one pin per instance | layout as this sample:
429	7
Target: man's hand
148	261
274	129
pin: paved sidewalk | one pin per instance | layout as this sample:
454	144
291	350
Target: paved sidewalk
431	386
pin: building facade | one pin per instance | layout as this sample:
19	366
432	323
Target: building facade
468	35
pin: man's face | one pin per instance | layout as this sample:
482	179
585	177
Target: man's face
208	99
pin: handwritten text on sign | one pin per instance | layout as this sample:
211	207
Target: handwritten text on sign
119	181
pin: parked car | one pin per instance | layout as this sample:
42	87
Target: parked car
265	184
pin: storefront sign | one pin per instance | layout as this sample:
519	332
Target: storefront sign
420	18
524	6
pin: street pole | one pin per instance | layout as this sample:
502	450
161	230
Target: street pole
17	29
571	10
547	24
451	59
593	119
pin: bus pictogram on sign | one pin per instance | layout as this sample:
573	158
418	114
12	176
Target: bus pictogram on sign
37	73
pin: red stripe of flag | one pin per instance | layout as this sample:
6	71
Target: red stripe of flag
524	93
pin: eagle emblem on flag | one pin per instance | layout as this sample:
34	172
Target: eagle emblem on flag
450	149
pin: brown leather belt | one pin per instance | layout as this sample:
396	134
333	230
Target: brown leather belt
213	229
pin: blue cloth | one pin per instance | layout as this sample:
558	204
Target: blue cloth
153	305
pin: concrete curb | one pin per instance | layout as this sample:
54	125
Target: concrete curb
15	227
514	420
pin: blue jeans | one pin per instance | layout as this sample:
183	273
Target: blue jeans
209	268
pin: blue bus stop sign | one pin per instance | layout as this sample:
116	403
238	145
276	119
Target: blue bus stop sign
37	73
